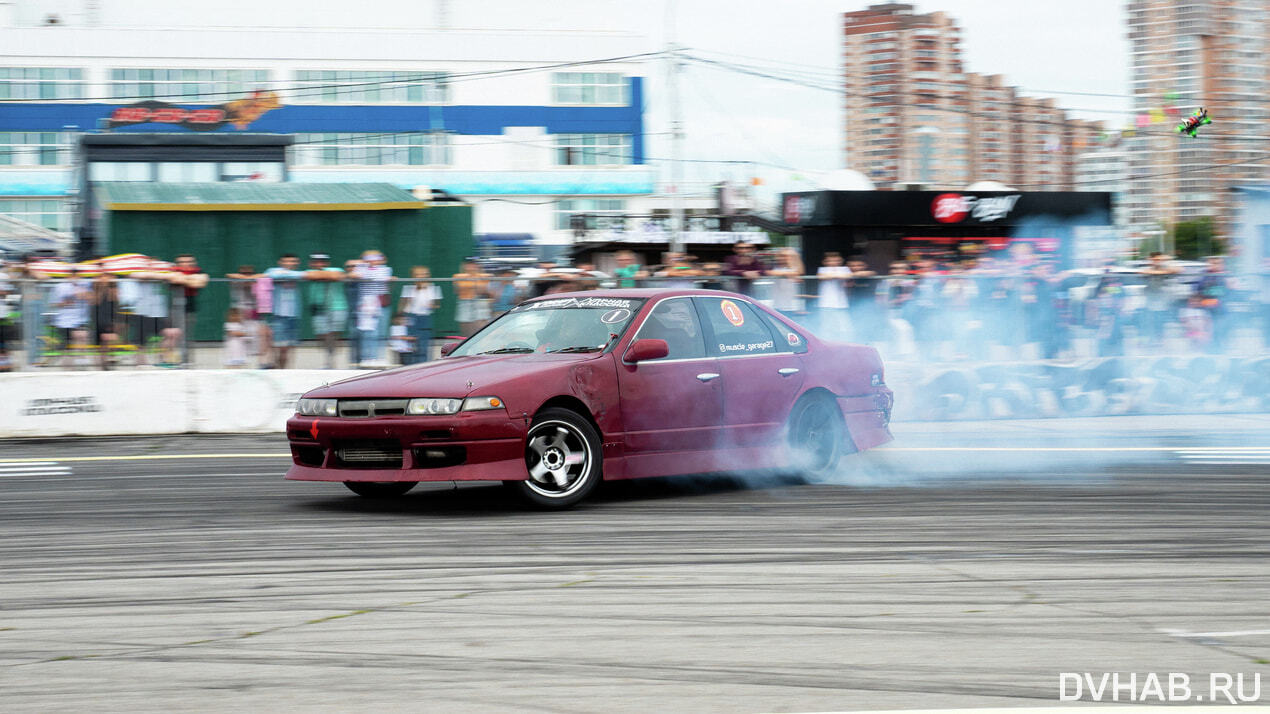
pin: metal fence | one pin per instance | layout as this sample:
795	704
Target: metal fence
103	323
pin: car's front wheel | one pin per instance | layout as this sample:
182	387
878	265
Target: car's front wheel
817	437
376	489
563	458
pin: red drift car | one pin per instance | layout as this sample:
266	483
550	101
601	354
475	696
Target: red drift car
569	389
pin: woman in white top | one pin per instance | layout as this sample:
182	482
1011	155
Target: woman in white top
835	322
418	300
788	272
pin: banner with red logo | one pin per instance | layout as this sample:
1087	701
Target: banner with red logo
240	112
943	208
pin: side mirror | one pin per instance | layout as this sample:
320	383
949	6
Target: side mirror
647	349
449	347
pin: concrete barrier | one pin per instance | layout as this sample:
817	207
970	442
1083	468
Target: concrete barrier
34	404
39	404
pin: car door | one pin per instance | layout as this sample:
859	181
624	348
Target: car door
761	376
672	408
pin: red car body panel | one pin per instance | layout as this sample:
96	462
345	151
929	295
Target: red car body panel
654	418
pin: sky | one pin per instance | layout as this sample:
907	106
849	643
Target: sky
1071	46
1041	47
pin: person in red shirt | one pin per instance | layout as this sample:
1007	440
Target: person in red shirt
744	265
192	279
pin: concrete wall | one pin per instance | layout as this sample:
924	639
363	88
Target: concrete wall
158	402
255	401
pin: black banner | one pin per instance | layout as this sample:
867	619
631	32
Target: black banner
942	208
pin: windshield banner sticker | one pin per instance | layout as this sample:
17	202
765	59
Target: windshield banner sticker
566	303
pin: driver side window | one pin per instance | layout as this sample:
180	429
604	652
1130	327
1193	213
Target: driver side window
675	321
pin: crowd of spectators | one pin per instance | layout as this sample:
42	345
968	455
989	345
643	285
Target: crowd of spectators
926	307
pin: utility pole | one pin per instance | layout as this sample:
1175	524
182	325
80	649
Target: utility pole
673	67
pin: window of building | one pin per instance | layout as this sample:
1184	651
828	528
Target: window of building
121	171
41	83
566	208
186	172
51	213
370	87
185	85
592	149
590	88
372	149
267	171
31	148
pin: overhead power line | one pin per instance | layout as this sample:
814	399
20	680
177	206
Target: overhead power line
1016	102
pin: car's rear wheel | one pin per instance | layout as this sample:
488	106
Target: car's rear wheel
817	436
563	457
377	489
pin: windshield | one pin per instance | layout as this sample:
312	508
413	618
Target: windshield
560	325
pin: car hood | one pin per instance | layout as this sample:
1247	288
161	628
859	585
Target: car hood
450	377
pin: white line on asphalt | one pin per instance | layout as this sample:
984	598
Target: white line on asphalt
52	470
154	457
34	463
1227	455
1200	451
1232	633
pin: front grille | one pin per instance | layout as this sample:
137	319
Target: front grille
365	408
369	454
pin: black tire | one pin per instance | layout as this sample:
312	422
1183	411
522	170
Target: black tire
816	437
563	460
376	489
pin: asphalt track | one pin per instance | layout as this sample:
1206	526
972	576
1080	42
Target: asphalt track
966	565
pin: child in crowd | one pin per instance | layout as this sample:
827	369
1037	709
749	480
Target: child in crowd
235	339
400	341
1196	323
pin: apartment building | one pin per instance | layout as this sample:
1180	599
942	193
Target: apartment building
1210	53
915	117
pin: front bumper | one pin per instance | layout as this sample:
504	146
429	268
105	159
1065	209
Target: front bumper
468	446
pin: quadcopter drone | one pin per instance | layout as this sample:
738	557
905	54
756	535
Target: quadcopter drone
1190	126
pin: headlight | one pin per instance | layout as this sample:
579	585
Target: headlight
433	406
473	404
315	407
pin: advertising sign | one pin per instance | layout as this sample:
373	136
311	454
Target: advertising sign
240	112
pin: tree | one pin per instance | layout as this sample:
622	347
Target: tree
1193	240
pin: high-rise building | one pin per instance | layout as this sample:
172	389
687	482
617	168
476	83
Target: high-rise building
1210	53
915	117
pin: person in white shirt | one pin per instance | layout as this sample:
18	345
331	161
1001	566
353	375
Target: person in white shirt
418	300
400	343
835	321
72	297
235	339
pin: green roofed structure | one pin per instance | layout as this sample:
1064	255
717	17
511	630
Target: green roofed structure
228	225
253	196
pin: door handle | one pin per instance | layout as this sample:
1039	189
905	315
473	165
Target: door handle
787	371
707	376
